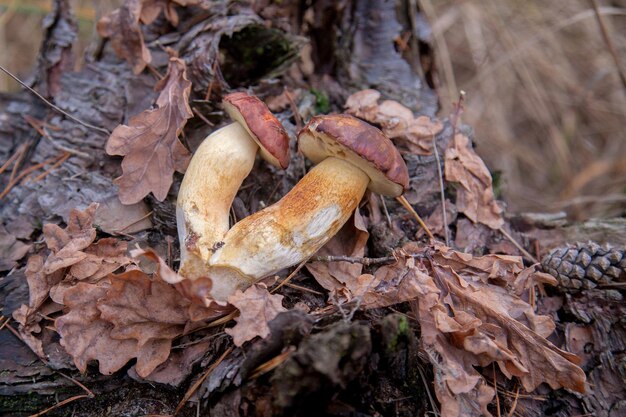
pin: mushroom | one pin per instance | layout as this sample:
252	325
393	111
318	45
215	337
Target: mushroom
351	156
215	173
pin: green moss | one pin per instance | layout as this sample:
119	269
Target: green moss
402	331
322	103
23	404
253	53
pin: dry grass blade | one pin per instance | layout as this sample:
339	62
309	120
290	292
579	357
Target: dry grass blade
13	157
272	363
514	405
609	43
417	217
290	276
199	382
518	246
24	173
42	98
61	404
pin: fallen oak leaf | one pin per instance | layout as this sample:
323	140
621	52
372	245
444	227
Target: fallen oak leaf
11	249
103	258
395	120
257	308
349	241
150	145
475	197
151	9
67	244
470	315
121	26
85	336
131	314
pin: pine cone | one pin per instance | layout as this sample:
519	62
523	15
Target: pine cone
586	265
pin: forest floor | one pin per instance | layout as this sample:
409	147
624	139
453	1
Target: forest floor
493	315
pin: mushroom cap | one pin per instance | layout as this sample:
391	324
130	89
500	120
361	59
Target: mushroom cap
363	145
262	125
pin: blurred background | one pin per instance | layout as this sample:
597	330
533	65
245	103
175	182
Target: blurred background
545	87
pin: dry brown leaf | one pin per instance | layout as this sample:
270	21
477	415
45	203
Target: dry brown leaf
42	273
349	241
395	120
85	336
67	244
150	145
11	249
257	308
470	316
151	9
475	196
177	367
103	258
123	317
121	26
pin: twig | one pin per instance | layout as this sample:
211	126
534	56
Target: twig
442	192
63	112
201	116
61	404
410	209
295	271
382	200
518	246
199	382
354	260
609	43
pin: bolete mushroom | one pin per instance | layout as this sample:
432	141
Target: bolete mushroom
215	173
351	155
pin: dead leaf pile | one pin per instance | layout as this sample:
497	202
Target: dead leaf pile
114	318
470	315
150	145
126	316
475	197
396	121
122	27
73	257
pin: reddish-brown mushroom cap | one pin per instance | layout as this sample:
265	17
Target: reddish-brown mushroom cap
358	142
262	125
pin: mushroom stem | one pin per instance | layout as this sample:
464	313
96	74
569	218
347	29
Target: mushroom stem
215	173
290	230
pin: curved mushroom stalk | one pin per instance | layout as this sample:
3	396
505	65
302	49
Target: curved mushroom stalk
215	173
352	156
213	177
289	231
